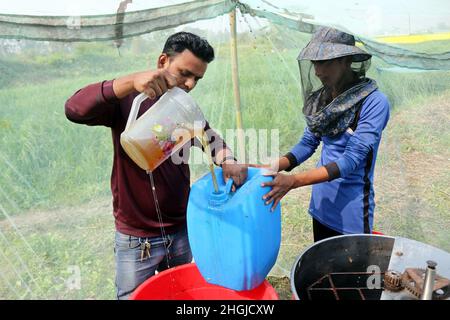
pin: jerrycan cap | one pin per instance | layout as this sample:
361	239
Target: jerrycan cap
218	199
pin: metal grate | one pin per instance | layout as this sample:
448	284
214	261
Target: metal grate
345	286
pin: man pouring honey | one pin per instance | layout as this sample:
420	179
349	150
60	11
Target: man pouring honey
150	226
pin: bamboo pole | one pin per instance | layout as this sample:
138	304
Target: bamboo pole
236	90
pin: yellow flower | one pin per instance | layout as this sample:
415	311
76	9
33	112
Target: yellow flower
157	128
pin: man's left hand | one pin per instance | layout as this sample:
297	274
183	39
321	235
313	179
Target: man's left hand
238	172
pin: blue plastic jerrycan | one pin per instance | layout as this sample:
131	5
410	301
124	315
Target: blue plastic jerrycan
234	237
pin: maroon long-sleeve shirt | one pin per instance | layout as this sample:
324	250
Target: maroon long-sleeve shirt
133	204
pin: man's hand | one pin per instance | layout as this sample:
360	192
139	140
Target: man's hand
153	83
238	172
281	184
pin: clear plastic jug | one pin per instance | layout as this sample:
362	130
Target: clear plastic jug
163	129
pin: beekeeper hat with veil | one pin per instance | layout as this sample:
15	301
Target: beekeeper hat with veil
328	44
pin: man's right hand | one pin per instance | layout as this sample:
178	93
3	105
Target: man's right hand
153	83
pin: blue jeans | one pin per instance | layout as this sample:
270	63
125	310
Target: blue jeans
137	259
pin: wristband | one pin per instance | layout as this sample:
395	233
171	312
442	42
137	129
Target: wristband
227	158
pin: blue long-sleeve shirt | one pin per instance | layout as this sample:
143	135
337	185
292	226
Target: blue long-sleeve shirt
346	203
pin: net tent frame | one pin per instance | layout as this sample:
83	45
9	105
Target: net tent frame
122	25
74	26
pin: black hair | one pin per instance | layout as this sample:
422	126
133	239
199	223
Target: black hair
180	41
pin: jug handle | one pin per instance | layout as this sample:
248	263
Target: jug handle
229	185
135	109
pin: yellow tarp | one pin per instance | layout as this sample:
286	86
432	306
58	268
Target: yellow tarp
414	38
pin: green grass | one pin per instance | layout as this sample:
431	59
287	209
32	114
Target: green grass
55	208
39	257
413	172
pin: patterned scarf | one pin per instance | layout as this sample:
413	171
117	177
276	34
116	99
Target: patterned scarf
334	118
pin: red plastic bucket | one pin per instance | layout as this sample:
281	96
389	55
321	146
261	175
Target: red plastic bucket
186	283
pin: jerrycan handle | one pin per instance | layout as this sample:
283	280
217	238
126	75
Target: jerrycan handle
229	185
135	109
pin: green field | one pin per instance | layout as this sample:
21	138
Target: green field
55	204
